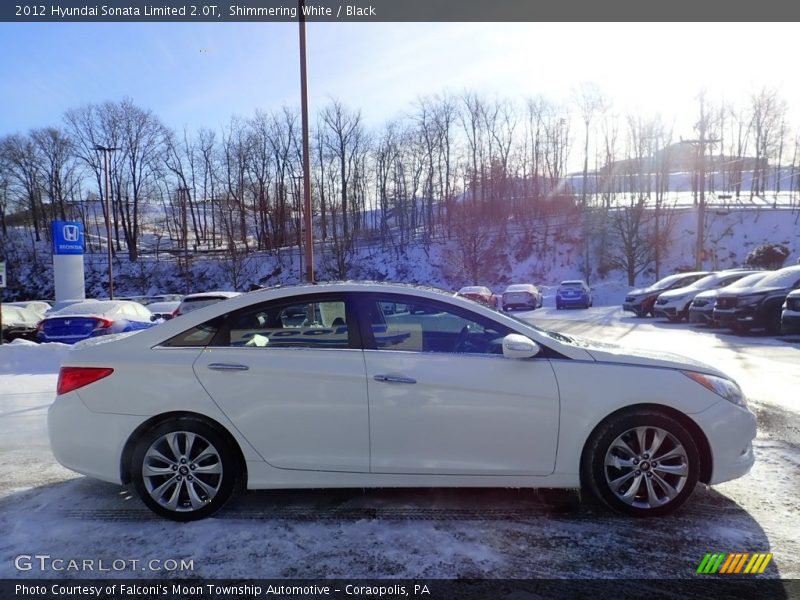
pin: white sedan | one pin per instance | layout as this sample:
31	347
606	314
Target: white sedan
375	385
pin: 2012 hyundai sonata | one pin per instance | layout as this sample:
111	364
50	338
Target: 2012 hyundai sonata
377	385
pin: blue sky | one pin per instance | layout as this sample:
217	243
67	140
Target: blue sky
194	74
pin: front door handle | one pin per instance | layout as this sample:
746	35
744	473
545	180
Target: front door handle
227	367
394	379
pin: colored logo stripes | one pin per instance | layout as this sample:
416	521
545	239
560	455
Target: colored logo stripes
737	562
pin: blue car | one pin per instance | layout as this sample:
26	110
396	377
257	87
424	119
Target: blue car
575	292
93	318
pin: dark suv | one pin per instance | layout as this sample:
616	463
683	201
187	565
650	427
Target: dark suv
640	302
758	306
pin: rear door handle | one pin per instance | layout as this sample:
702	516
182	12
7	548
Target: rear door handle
394	379
227	367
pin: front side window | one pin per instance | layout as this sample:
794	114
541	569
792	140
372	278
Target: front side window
301	323
418	325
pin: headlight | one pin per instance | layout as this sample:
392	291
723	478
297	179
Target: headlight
751	299
719	385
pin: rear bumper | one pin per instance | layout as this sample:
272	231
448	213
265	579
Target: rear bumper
88	442
572	301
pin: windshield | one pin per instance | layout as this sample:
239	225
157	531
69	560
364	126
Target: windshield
705	282
748	281
560	337
667	281
781	279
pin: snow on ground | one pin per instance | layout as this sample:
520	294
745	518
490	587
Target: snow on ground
433	533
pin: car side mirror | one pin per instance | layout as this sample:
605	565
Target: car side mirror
519	346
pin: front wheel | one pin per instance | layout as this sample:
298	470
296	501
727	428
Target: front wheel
643	463
184	469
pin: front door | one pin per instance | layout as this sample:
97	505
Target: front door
444	400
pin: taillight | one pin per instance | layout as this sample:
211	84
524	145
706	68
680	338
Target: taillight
103	323
72	378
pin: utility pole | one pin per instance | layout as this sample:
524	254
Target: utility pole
107	150
183	195
700	161
308	221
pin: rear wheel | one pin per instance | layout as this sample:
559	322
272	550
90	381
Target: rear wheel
643	463
184	469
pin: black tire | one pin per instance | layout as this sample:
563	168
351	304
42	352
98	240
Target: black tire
597	476
205	437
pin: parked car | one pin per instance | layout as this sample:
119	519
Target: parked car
163	310
93	318
61	304
18	322
455	394
521	295
790	316
674	304
702	308
38	307
641	301
574	292
195	301
480	294
758	306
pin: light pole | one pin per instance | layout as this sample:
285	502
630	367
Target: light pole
309	237
107	150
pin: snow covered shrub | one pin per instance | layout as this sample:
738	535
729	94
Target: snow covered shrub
767	256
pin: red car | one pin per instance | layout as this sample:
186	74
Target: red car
479	293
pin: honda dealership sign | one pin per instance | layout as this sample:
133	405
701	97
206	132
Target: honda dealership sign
68	260
67	237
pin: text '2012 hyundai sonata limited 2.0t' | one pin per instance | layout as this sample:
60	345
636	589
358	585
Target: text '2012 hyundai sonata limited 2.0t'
378	385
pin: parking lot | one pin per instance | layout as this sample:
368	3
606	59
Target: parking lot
416	533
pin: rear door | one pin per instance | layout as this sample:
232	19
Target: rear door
290	375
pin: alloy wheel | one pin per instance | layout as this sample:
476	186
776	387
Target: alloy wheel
182	471
646	467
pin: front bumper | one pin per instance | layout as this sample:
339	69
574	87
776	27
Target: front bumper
737	317
790	323
701	315
670	310
730	430
88	442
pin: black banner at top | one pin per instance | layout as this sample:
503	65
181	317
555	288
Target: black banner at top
398	10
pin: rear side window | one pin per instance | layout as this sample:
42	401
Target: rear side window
299	323
196	337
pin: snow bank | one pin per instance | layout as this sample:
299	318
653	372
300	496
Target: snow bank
22	356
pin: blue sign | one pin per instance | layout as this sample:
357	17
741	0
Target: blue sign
67	237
